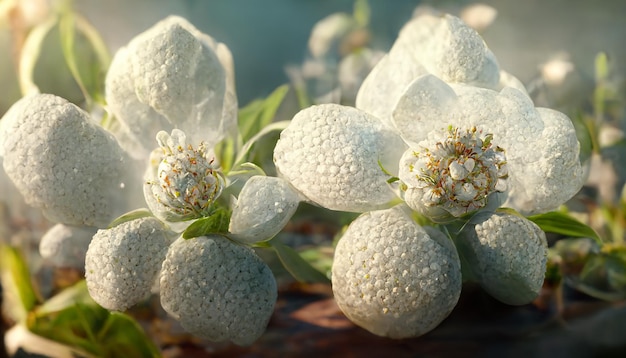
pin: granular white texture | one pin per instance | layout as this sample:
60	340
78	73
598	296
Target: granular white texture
542	165
123	263
264	206
66	246
430	44
393	278
217	289
62	162
333	154
506	254
172	76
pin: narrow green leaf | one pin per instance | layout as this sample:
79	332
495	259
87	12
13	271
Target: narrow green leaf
30	55
362	12
276	126
260	113
564	224
299	268
130	216
217	223
18	291
85	55
122	336
601	67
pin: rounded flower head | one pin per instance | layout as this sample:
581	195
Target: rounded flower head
333	154
452	172
500	135
264	206
392	277
506	254
171	76
66	246
185	183
62	162
122	263
218	290
441	45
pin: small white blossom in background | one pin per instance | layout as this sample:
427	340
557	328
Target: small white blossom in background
66	246
217	289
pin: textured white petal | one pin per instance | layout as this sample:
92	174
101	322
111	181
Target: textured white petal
440	45
394	278
264	206
507	255
331	154
218	290
63	163
171	76
66	246
123	263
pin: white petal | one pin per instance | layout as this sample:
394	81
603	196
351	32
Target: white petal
331	153
218	290
264	206
123	263
506	254
63	163
392	277
171	76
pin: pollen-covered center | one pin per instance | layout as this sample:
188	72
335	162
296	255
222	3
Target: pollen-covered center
187	182
455	169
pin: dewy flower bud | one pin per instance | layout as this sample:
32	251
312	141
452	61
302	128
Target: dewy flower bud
218	290
123	263
506	254
263	208
185	183
453	172
393	277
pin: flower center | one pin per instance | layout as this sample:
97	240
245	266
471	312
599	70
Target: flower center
186	183
457	173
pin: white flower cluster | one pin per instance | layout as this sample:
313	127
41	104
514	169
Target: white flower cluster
176	84
439	125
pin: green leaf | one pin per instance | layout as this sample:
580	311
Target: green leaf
601	67
260	113
130	216
18	291
564	224
216	223
299	268
362	12
85	54
122	336
276	126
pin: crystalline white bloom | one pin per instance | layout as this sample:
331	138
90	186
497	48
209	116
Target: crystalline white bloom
66	246
123	263
62	162
333	154
506	254
431	44
264	206
218	290
394	278
538	145
171	76
185	182
328	33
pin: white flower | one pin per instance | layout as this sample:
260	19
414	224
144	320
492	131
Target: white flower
62	162
185	182
123	263
171	76
218	290
431	44
506	254
263	208
392	277
66	246
534	149
331	154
